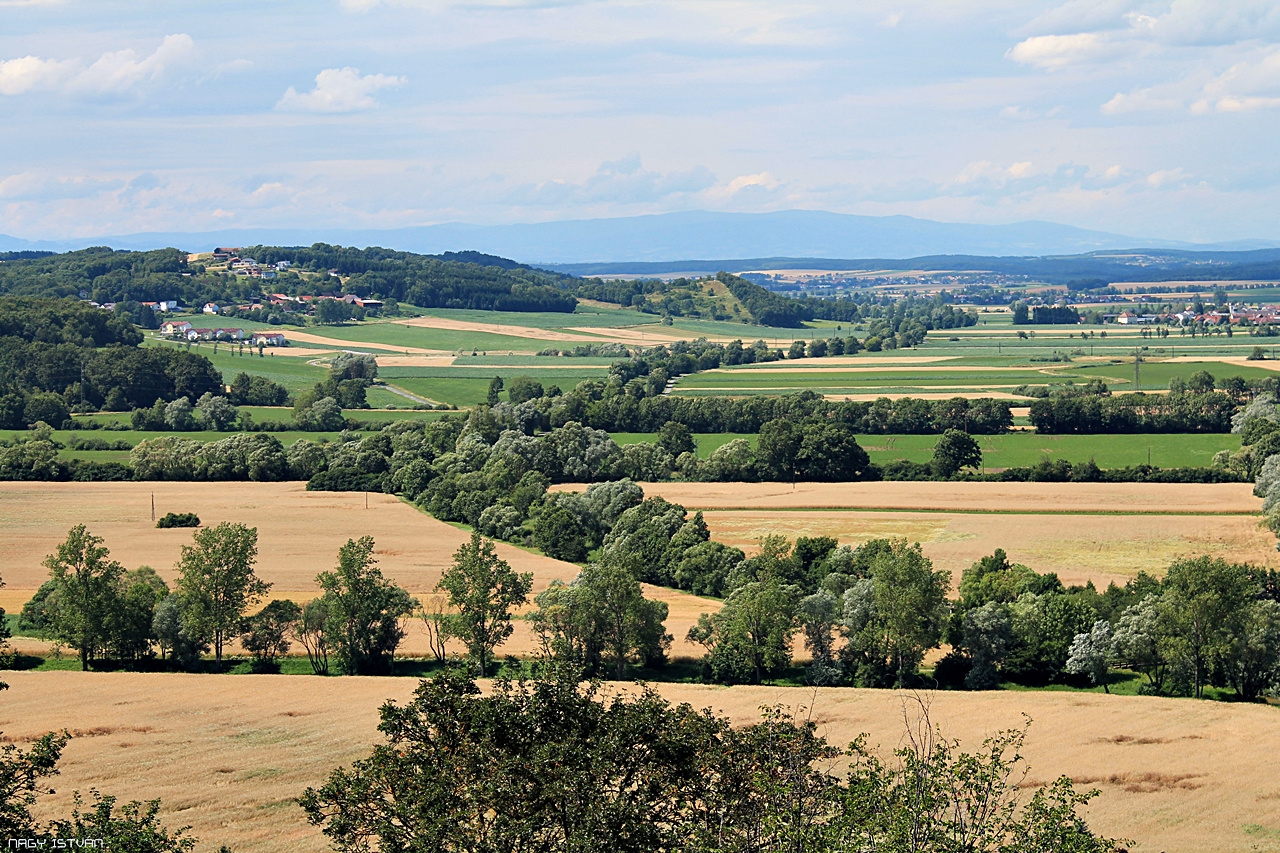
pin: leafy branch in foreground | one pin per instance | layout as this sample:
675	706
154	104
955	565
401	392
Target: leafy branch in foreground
554	765
133	827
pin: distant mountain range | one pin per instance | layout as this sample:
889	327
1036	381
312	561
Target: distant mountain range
674	236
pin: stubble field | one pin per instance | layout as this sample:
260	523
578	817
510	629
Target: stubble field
299	533
228	754
1099	532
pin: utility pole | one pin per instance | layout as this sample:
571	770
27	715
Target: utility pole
153	506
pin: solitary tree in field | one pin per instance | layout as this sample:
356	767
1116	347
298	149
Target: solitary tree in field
483	589
87	582
216	581
363	612
955	450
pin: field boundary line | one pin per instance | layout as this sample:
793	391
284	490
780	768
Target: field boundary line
938	511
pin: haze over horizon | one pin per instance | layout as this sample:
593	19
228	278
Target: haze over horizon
1130	117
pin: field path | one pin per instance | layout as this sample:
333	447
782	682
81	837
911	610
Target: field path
229	754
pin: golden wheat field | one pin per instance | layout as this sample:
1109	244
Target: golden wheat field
1080	548
227	754
299	533
1219	498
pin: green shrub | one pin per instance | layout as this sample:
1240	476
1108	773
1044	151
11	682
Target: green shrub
179	519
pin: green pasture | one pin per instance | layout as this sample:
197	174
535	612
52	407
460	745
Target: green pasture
586	316
469	386
708	442
293	372
1157	375
1020	449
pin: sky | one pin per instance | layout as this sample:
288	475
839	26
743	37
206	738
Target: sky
1155	119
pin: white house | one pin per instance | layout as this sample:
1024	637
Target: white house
210	308
175	327
268	339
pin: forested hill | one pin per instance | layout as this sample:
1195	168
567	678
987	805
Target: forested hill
725	297
452	280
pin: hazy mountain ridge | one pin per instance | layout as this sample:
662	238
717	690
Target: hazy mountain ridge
673	236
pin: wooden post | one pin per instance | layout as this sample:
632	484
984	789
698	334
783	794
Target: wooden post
153	506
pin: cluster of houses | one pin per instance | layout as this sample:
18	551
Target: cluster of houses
248	266
1236	315
184	330
164	306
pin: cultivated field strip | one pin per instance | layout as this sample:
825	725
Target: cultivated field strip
1179	775
1094	498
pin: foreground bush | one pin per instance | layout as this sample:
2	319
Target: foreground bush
552	765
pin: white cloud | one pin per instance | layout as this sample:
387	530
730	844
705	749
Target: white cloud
121	70
1054	52
338	90
114	72
18	76
1165	177
764	180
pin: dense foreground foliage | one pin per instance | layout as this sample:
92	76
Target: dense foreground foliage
552	765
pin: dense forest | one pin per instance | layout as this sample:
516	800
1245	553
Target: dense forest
60	354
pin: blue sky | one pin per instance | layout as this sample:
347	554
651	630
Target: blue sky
1154	119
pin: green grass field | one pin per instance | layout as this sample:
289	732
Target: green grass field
292	372
1019	449
708	442
469	386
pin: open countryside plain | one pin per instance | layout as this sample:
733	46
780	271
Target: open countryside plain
1181	776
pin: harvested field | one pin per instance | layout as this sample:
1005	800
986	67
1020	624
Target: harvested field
1123	498
299	533
1080	548
416	360
1176	775
968	395
498	329
836	361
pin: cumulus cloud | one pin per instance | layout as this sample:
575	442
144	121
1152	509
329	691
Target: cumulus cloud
338	90
19	76
1054	52
1252	84
113	72
123	69
762	180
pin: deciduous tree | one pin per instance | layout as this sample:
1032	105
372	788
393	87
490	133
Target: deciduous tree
483	589
217	582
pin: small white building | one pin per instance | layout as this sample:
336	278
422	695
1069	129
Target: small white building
210	308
